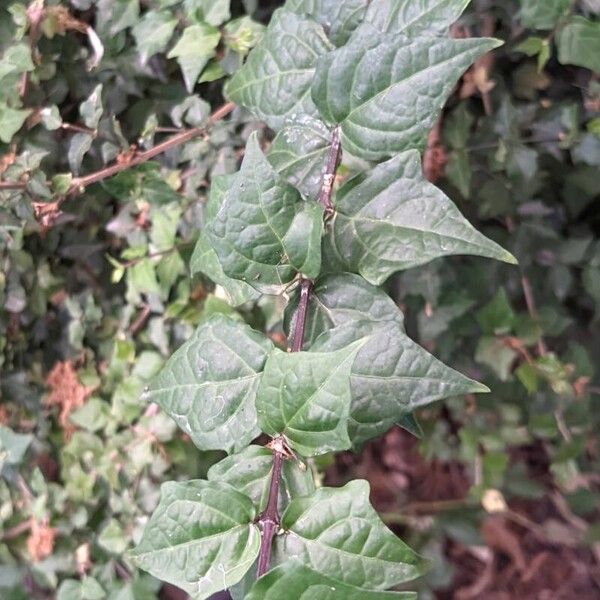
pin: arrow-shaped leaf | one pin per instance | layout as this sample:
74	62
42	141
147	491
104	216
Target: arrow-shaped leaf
305	396
392	218
263	233
275	80
386	91
200	538
209	385
414	17
295	581
391	374
337	532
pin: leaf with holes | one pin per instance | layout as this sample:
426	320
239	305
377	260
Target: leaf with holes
193	543
209	385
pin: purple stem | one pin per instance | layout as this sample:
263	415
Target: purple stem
269	520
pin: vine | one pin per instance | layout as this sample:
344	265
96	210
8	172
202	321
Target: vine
368	78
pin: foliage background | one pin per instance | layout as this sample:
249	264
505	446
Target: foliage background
501	493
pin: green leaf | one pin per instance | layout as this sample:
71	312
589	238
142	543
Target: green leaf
205	260
263	233
112	538
391	375
209	385
579	43
11	120
275	80
91	108
153	32
92	416
379	88
295	581
337	531
87	589
249	472
200	538
116	15
542	15
242	34
458	171
414	17
79	145
51	117
344	298
16	60
213	12
497	317
299	152
392	219
13	446
305	396
339	17
195	48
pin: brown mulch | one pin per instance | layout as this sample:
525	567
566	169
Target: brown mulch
534	551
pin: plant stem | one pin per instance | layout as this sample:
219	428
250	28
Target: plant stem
78	184
269	520
300	316
331	166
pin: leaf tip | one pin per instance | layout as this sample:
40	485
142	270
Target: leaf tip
509	258
480	388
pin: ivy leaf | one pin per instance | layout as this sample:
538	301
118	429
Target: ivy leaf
414	17
392	219
299	152
78	147
542	15
294	581
193	51
305	396
91	108
11	120
275	80
249	472
13	446
339	17
579	43
391	375
386	91
16	60
263	233
213	12
209	385
153	32
200	538
337	531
